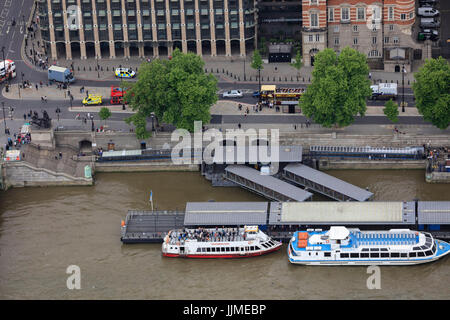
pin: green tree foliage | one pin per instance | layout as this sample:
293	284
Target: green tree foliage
257	62
339	88
432	92
391	110
298	61
104	113
178	91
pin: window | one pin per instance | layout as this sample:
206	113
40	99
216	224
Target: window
345	15
336	41
317	37
395	255
374	40
386	39
411	15
403	255
354	255
327	254
310	38
413	254
199	249
428	253
227	249
222	249
355	40
208	249
331	14
391	13
313	2
385	255
364	255
374	249
336	29
355	28
421	254
314	20
344	255
391	27
374	255
395	39
361	13
403	16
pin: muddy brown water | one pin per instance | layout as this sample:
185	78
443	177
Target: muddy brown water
44	230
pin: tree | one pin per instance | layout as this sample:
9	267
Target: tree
339	88
257	62
298	61
391	110
432	92
177	91
104	113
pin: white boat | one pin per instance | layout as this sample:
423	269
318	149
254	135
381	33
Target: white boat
218	243
342	246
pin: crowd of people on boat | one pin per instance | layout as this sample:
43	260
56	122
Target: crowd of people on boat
205	235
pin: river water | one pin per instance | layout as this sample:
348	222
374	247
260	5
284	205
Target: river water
44	230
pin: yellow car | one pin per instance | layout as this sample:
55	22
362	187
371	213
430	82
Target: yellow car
92	99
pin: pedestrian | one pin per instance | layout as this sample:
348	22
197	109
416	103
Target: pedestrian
370	76
37	87
45	99
24	116
239	125
60	155
295	127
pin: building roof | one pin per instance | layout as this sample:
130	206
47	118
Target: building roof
433	212
269	182
246	154
329	213
328	181
226	213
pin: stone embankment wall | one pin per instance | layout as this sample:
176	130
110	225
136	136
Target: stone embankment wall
22	174
147	166
438	177
330	164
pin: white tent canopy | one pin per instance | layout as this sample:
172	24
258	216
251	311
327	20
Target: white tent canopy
338	233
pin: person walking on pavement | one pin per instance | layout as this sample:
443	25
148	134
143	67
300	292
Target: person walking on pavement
37	87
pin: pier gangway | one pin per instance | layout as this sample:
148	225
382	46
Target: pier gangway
323	183
265	185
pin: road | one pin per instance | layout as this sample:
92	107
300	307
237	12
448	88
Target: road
11	38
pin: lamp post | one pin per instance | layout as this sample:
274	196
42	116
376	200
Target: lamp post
98	69
244	68
403	88
4	116
92	123
152	116
259	85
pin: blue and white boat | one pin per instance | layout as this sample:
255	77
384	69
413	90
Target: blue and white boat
342	246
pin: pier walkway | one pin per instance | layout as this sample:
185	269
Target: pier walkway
323	183
265	185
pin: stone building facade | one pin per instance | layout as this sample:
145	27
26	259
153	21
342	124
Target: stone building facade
381	29
146	28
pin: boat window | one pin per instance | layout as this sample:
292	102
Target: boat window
423	247
365	249
374	249
257	248
421	254
384	249
199	249
222	249
416	248
374	255
364	255
344	255
208	249
354	255
246	248
413	254
428	253
227	249
385	255
395	254
327	254
403	255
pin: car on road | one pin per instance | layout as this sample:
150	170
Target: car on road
255	94
427	12
92	99
428	34
233	94
124	73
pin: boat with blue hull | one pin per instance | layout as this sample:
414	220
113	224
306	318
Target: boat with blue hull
344	246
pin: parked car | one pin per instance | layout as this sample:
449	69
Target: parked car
124	73
233	94
429	23
427	12
428	2
255	94
92	99
428	34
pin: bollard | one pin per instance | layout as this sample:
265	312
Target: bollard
223	70
231	74
408	81
279	78
303	79
217	70
78	68
239	78
90	68
250	78
137	69
227	72
107	69
297	78
212	70
274	79
291	78
285	78
101	68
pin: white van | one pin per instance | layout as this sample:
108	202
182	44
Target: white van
427	12
429	23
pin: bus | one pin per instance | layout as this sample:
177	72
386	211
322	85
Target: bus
117	94
285	98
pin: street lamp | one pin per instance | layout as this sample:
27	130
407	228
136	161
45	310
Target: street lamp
259	81
403	88
244	68
4	116
98	68
92	124
152	115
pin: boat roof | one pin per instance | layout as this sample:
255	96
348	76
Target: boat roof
338	233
